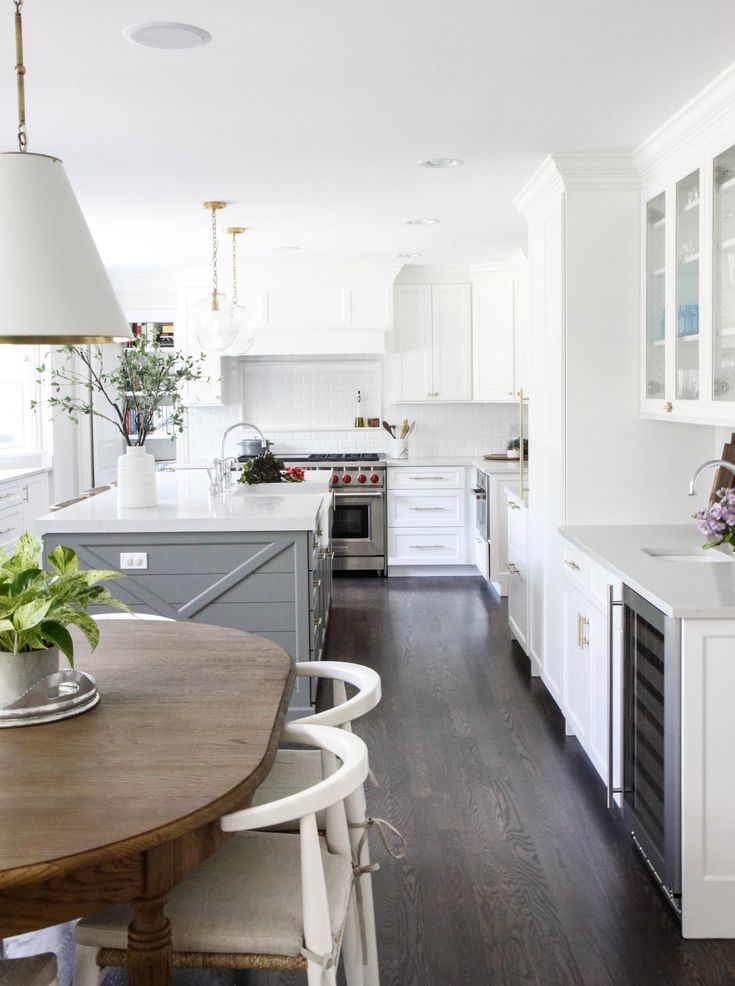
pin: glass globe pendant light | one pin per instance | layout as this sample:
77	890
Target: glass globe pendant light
248	326
53	284
215	321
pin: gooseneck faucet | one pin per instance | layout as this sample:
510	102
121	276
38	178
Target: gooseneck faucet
710	464
220	480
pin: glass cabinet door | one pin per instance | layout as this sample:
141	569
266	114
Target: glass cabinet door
687	288
655	296
723	279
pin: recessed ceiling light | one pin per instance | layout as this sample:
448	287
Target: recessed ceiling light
440	162
421	222
167	35
408	256
283	249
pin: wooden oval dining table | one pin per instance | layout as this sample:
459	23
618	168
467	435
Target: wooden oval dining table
121	802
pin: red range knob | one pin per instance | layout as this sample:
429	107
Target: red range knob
335	478
362	478
374	478
347	478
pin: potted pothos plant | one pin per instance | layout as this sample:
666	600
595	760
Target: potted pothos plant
38	605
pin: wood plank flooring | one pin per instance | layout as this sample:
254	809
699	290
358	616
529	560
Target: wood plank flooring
516	873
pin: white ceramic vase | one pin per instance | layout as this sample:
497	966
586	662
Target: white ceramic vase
136	478
19	672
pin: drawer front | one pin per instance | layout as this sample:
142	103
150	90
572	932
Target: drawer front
426	547
10	495
11	527
425	478
426	509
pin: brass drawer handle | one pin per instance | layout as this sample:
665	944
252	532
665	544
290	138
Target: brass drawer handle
571	564
424	547
513	569
317	621
316	583
582	624
7	530
4	496
513	506
427	508
668	407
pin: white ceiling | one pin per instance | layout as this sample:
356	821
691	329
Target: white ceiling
309	115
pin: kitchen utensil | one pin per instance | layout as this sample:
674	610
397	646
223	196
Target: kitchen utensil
411	428
359	420
404	428
391	429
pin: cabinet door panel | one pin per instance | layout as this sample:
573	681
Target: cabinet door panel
452	342
492	341
577	663
413	342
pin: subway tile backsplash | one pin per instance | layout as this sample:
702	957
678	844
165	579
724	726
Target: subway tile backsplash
310	406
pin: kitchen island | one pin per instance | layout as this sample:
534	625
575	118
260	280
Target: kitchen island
257	558
671	665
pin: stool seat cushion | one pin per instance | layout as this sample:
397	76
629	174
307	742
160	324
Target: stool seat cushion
36	970
245	898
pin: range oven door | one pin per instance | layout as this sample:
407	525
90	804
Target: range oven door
358	528
652	738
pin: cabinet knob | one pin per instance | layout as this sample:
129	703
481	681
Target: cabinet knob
668	407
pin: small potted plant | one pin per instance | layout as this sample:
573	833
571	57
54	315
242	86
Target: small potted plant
514	448
36	607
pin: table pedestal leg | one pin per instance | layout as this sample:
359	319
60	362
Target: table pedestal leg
149	943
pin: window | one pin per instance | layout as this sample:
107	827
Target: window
20	427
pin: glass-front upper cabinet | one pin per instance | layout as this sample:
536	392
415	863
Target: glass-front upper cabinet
723	279
687	288
656	296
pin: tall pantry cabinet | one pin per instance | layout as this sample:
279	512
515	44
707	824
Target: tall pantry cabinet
592	459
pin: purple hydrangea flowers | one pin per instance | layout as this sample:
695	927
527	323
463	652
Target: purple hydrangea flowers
717	522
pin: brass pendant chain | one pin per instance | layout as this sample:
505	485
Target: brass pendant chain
215	300
20	72
234	268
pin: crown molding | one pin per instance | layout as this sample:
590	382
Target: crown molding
603	172
433	274
711	108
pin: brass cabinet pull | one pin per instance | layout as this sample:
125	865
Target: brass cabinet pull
582	624
427	508
4	496
428	477
512	568
6	530
423	547
513	506
571	564
316	583
317	621
668	407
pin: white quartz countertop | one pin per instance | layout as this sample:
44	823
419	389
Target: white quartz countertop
688	589
184	504
22	472
436	462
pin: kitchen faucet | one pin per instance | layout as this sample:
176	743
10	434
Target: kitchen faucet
710	464
220	481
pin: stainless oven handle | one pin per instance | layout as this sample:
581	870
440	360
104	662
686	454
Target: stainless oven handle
611	603
359	493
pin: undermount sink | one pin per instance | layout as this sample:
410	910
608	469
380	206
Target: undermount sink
707	555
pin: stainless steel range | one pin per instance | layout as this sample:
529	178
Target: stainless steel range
358	528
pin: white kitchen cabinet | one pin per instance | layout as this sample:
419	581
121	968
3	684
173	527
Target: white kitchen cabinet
592	457
493	337
426	516
517	567
433	342
22	500
586	661
687	339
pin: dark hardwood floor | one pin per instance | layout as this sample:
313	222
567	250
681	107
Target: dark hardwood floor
516	873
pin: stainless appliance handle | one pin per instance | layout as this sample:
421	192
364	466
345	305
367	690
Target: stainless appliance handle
611	603
358	493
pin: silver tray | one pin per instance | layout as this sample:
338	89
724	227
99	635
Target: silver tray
57	696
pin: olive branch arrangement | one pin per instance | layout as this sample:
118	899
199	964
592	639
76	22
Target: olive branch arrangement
146	377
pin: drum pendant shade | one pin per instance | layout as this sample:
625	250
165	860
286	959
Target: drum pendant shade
53	285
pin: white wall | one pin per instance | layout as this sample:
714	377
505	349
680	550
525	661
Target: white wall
310	406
